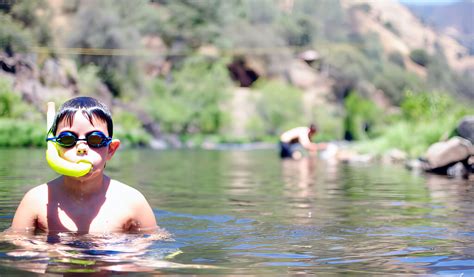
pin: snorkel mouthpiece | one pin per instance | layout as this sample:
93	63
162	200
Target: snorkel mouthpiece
58	164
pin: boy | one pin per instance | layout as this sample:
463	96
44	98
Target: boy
91	203
290	139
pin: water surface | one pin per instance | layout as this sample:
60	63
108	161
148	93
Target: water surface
247	212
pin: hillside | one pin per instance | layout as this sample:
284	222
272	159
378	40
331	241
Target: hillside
456	20
238	71
401	31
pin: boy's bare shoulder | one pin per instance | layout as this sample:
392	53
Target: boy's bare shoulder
38	193
120	189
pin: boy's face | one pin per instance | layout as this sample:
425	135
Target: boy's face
82	151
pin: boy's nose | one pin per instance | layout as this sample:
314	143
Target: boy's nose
81	147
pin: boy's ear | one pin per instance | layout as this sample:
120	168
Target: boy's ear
113	146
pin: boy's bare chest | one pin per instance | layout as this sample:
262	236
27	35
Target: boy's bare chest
92	216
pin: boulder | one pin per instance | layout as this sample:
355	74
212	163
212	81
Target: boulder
444	153
302	75
465	128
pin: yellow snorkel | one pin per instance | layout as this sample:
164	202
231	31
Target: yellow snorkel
57	163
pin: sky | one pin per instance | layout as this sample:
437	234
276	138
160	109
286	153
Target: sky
431	2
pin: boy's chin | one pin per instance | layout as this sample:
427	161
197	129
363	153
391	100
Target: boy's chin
94	172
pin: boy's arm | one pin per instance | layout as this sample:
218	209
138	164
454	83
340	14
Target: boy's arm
305	142
25	215
144	214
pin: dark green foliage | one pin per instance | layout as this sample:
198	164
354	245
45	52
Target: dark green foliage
420	57
361	116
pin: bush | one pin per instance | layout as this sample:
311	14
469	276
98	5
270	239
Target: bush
426	119
393	80
420	57
391	28
88	80
21	133
426	106
361	116
192	102
329	120
279	108
128	128
12	105
397	58
440	75
465	86
20	124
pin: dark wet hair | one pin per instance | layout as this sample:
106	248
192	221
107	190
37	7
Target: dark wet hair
90	108
313	127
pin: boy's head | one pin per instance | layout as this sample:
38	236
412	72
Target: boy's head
313	129
90	108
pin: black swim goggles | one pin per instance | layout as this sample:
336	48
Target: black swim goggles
94	139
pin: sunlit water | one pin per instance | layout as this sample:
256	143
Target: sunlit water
247	212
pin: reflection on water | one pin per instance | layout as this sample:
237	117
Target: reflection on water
238	212
69	252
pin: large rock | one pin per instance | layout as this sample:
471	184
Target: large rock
465	128
447	152
301	75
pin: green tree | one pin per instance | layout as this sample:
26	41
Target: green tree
13	37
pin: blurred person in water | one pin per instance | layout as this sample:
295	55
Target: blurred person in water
297	139
92	203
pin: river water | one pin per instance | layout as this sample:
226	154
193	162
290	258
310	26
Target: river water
248	212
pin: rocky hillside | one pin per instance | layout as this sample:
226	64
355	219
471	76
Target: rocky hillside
141	58
455	19
401	31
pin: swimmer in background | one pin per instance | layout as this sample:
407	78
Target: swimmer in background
92	203
299	136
